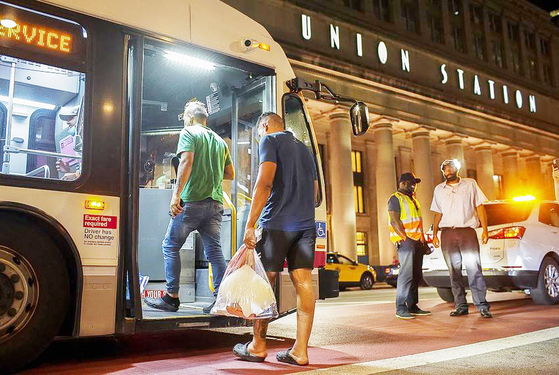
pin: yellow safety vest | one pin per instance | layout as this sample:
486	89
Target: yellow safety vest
410	216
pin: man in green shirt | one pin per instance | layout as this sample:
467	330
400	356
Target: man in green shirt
197	201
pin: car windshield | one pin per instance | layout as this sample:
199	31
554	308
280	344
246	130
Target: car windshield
503	213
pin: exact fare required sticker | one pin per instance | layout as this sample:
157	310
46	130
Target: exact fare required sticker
98	230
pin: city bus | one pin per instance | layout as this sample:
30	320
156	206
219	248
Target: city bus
91	102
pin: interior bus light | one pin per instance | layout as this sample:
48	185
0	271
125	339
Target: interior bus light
94	205
507	233
524	198
29	103
8	23
189	60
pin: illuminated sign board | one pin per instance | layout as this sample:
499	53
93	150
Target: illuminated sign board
23	29
479	87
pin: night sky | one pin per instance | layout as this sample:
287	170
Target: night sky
547	5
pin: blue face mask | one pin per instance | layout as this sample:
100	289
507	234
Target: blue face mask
72	130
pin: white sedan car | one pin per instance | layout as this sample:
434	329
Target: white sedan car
522	252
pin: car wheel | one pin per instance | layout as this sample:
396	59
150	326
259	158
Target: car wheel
367	281
446	294
34	292
547	291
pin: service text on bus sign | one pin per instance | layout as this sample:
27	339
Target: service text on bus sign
38	37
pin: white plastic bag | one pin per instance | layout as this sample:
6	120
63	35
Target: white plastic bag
245	291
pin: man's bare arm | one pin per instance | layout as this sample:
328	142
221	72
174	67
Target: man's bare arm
262	191
436	222
229	172
482	214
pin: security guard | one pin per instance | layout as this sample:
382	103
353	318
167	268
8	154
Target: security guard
406	232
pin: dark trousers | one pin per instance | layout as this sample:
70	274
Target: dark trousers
461	244
410	254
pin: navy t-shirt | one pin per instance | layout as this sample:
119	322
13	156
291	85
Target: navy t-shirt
290	206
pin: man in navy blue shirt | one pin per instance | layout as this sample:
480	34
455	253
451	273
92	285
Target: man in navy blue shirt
284	199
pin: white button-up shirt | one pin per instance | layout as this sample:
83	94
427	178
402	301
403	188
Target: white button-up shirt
458	203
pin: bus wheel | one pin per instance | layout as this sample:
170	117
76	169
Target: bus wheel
34	292
446	294
547	291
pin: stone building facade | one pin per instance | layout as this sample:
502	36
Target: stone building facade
467	79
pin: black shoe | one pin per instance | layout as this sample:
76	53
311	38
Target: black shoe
160	303
207	309
485	313
459	312
417	311
404	315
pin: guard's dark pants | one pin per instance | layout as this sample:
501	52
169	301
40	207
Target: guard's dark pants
410	254
462	244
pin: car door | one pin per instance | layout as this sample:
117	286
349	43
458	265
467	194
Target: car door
549	215
349	272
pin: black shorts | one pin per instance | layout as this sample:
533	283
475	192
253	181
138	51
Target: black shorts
277	245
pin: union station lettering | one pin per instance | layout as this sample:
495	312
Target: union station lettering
479	87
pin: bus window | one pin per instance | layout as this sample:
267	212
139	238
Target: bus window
43	137
235	95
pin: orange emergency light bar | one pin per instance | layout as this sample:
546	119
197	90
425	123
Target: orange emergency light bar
94	205
524	198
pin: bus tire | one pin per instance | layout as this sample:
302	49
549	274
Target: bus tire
547	290
446	294
36	300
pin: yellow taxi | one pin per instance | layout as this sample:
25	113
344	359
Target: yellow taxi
351	273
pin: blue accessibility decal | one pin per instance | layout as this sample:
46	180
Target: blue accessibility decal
321	229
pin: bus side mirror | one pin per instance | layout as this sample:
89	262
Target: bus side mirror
359	114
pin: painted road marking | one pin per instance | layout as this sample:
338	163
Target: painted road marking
443	355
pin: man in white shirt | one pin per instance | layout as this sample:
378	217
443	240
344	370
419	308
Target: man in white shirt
458	206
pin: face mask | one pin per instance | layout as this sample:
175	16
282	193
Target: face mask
72	130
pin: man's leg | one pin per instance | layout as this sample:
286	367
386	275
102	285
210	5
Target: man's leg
210	231
258	345
405	276
453	258
417	274
177	232
469	246
302	280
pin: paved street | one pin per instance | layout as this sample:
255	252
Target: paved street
356	333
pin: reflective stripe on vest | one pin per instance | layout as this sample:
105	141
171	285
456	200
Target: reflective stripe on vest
410	216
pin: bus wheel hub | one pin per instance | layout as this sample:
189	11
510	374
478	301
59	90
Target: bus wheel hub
18	292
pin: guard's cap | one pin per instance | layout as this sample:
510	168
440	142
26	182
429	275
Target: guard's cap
67	113
409	177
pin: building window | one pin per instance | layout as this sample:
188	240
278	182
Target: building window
494	23
516	61
361	238
530	40
544	44
354	4
381	8
410	15
479	46
498	185
476	14
498	53
358	181
533	68
512	29
547	74
435	23
455	6
458	38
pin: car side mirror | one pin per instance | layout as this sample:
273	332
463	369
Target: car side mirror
359	114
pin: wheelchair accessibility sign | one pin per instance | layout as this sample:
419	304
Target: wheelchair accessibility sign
320	229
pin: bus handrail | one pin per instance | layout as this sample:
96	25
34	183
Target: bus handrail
233	223
43	168
17	150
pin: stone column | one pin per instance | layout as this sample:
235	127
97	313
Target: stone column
423	169
374	256
455	150
386	185
510	172
485	171
405	159
343	205
536	186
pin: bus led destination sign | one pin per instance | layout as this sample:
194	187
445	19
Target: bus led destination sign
37	36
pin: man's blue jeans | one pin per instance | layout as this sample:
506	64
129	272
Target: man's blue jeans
205	217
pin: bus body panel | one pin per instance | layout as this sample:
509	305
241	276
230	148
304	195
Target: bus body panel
99	254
